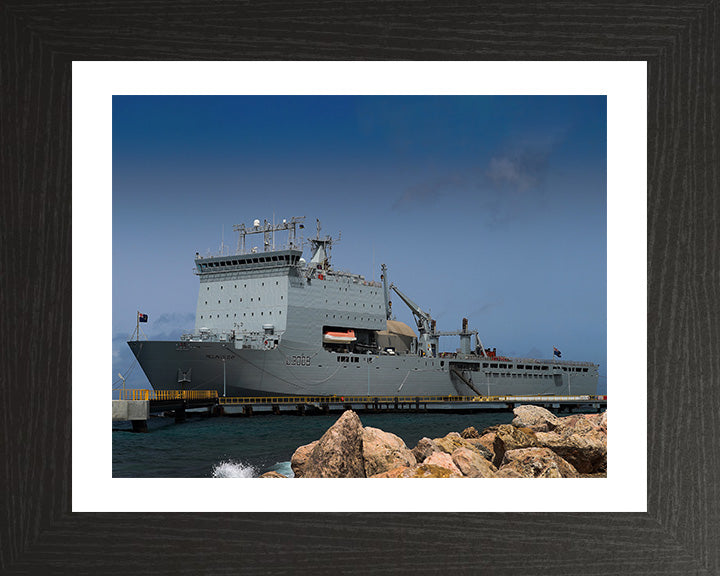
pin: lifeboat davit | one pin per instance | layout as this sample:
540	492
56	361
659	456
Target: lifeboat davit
339	337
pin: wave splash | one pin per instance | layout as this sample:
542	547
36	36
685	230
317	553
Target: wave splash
230	469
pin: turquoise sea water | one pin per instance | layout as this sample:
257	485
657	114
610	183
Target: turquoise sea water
205	447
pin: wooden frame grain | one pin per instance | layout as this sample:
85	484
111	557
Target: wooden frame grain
680	533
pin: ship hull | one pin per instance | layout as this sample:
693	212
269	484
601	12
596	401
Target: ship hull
294	368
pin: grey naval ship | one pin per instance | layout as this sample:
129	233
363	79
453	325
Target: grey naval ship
270	323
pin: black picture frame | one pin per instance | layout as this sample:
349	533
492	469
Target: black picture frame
680	533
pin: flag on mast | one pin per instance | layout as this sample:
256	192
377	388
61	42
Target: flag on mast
142	317
557	352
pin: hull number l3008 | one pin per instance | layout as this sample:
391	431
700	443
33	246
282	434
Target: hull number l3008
297	360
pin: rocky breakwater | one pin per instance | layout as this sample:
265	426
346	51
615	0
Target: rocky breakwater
537	444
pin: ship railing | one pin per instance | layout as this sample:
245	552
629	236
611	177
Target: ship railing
144	394
540	361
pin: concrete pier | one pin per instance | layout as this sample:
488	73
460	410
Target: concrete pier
177	403
136	411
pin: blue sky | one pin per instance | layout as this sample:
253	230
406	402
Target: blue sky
492	208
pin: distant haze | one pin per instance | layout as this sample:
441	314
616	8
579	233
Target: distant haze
491	208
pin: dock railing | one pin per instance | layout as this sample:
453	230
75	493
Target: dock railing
144	394
167	394
399	399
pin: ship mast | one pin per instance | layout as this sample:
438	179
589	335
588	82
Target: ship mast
321	249
268	230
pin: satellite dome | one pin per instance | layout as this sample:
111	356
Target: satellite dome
256	223
302	261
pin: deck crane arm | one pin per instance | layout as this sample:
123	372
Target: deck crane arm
424	321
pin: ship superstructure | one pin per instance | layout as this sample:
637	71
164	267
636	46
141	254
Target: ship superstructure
269	322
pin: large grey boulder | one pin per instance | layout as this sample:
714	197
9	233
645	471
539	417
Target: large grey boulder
383	451
424	448
338	453
535	463
586	452
472	465
507	438
534	417
581	439
298	460
443	460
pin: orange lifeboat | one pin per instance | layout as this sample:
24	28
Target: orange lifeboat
339	337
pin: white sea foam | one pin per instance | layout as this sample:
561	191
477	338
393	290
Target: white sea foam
230	469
